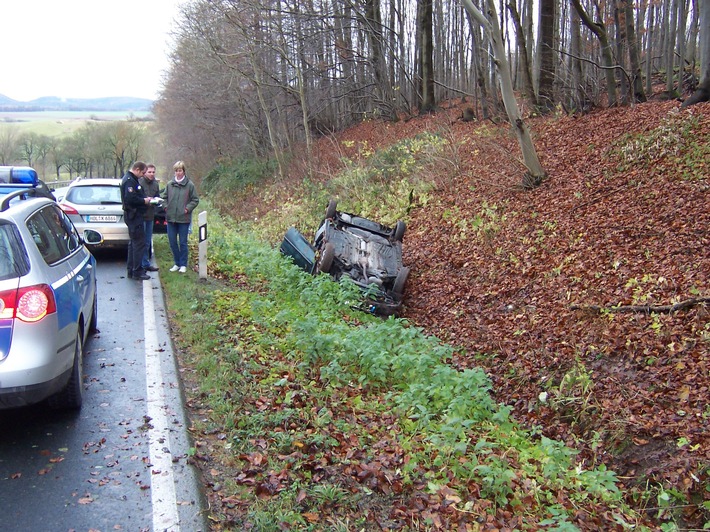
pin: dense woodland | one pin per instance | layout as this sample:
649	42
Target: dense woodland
257	78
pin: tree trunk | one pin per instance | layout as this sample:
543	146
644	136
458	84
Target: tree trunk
690	53
670	48
546	91
599	29
649	47
620	46
479	68
373	29
425	56
575	64
634	59
535	173
702	94
682	16
528	87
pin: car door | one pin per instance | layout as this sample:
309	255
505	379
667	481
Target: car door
79	262
67	270
14	263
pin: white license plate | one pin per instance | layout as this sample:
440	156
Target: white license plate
102	218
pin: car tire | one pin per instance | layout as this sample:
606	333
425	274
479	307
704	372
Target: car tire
399	229
399	282
72	396
331	209
326	258
94	322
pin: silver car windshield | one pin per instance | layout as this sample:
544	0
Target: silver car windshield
94	195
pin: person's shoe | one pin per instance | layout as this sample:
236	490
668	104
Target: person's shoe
152	269
129	275
174	268
183	269
142	277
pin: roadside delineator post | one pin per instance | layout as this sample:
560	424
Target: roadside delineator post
202	234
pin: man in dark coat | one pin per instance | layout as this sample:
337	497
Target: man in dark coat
135	203
151	188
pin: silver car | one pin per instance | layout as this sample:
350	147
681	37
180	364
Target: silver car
95	203
47	302
59	193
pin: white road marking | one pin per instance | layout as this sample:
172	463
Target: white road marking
165	514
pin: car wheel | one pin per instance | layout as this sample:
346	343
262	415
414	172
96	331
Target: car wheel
399	229
331	209
326	257
399	281
94	323
72	396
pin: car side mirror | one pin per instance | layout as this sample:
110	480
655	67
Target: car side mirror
93	237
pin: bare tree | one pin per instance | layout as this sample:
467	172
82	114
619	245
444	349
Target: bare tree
522	43
598	28
425	48
702	94
9	144
576	96
258	78
29	147
535	173
547	47
672	11
634	57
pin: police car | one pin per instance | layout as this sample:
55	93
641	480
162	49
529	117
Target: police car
48	299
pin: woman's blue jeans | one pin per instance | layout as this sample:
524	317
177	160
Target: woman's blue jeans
177	238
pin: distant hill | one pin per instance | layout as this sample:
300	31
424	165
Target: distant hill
52	103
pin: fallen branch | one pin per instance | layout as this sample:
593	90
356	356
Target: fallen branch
647	309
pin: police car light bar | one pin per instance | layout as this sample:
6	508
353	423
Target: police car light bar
19	175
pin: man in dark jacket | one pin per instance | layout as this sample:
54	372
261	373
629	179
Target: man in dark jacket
151	188
135	203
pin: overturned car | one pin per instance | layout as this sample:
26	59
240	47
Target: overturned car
367	252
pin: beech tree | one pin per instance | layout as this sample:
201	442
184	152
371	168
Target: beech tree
535	174
546	96
702	94
522	43
598	28
425	46
262	77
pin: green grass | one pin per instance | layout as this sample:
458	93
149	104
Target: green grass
57	124
303	390
288	372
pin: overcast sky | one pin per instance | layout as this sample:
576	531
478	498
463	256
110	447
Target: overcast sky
84	48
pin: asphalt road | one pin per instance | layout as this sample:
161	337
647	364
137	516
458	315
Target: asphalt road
121	462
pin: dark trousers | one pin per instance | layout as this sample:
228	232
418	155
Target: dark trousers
136	245
148	228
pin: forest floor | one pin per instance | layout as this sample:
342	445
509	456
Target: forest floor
533	278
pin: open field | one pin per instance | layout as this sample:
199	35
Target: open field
58	123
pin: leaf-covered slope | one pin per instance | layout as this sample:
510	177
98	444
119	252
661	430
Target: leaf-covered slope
532	284
517	278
